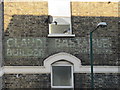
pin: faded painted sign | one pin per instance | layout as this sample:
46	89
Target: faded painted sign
25	47
41	47
81	45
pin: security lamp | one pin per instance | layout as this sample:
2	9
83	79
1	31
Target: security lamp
102	24
50	20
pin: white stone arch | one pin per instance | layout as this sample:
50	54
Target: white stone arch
62	56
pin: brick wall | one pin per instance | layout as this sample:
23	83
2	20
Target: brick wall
27	20
119	33
1	85
97	9
27	81
105	81
78	9
1	48
23	8
1	32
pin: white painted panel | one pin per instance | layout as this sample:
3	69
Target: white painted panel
61	13
42	69
59	8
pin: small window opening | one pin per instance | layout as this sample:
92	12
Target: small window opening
62	75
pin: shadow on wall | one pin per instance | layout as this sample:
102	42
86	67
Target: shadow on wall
27	26
35	26
0	83
19	52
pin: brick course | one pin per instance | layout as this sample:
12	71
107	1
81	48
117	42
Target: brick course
27	81
97	9
104	81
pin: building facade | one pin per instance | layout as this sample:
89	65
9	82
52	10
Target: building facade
1	40
46	46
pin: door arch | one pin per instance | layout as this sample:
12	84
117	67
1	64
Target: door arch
62	56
